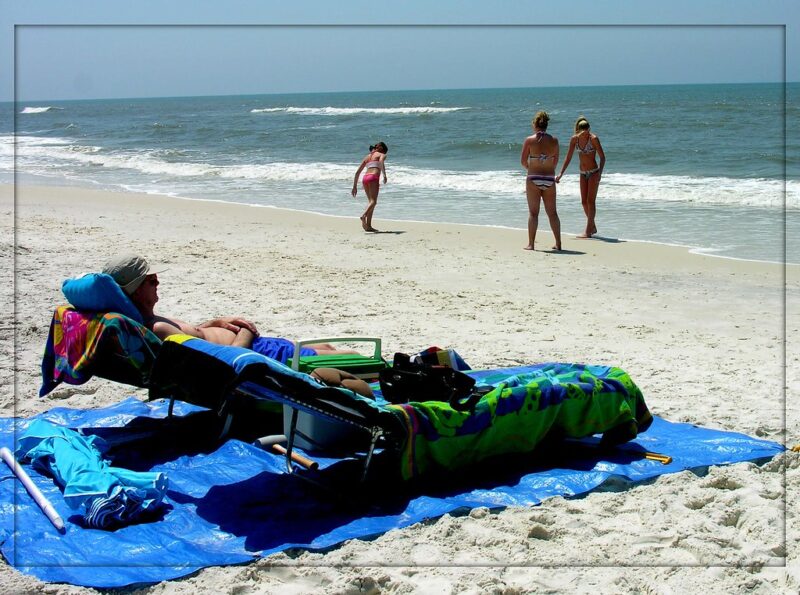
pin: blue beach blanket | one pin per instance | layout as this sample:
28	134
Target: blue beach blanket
233	503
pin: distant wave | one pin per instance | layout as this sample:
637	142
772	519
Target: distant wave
39	110
348	111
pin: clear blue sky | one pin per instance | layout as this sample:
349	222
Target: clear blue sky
313	46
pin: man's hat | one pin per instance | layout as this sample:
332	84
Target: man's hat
129	271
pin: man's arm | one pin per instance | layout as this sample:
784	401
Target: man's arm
231	323
244	338
231	327
164	327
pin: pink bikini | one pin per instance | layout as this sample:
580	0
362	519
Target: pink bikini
369	178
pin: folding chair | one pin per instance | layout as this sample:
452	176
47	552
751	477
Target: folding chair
220	377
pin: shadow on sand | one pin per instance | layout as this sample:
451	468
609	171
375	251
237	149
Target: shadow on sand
562	251
603	239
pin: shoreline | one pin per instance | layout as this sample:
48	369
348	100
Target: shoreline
39	182
702	337
91	194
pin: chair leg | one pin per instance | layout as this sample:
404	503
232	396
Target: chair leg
290	440
226	426
376	434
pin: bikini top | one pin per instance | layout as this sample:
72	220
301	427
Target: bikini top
587	148
542	157
374	162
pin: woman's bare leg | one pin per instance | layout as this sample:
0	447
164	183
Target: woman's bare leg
549	200
372	190
588	200
585	204
591	200
534	195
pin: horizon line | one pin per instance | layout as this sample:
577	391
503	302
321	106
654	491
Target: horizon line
416	90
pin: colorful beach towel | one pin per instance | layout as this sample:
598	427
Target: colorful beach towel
81	344
528	404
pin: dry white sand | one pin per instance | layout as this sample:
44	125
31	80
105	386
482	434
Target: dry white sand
702	336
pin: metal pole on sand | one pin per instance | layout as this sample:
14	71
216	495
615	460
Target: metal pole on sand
38	497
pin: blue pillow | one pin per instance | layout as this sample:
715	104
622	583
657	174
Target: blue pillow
100	293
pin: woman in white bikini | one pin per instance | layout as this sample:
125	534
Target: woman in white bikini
587	144
540	156
374	163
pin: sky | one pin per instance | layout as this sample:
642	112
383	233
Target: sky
85	49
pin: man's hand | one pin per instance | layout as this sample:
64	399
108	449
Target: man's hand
232	323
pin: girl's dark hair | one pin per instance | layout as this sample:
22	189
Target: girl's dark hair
380	145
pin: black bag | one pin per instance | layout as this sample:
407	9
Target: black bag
407	380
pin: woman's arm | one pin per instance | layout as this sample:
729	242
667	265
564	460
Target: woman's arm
382	159
358	173
600	152
523	157
557	154
568	159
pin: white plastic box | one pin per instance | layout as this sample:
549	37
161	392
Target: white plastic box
324	435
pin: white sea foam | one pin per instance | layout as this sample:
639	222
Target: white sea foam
38	154
349	111
757	192
39	110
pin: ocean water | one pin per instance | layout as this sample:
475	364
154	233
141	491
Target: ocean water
704	166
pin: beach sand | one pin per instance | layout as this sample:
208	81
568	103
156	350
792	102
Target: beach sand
703	337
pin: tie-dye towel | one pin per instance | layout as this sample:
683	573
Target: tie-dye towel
563	400
82	344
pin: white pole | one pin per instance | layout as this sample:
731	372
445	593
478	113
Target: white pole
40	499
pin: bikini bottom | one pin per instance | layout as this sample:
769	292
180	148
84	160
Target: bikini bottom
369	178
542	181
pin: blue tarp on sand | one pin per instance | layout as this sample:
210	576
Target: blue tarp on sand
235	503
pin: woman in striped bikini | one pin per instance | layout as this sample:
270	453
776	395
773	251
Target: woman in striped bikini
587	145
540	156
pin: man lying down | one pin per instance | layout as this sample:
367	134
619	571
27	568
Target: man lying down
140	283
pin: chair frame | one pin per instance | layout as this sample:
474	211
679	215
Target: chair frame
376	353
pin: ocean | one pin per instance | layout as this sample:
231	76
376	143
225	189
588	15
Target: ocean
704	166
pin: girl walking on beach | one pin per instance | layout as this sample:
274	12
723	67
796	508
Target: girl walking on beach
540	156
375	164
588	145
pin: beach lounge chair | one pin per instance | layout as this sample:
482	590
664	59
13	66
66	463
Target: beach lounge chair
101	334
227	378
86	343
